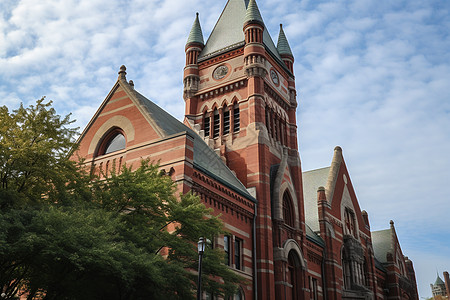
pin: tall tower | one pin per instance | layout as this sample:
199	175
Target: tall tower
239	90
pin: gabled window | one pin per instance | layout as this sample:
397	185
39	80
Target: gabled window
113	141
350	227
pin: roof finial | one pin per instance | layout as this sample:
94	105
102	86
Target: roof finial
131	83
122	72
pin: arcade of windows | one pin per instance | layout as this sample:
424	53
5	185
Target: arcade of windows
354	263
276	126
221	121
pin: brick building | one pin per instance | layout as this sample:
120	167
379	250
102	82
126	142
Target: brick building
441	288
293	235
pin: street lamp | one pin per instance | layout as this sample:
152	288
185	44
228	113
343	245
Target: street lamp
201	249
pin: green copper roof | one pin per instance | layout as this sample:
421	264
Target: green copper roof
228	32
439	281
252	13
283	45
196	35
313	237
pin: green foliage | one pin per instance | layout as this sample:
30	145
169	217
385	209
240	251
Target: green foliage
66	235
34	144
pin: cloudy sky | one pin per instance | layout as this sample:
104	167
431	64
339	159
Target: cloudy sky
372	76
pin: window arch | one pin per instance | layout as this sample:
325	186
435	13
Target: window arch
293	276
236	117
113	141
287	210
345	270
226	120
206	123
216	122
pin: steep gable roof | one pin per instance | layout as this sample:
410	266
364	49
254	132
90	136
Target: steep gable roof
382	244
311	181
165	125
205	159
228	32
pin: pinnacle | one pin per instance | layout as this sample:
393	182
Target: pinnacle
122	72
196	35
283	45
252	14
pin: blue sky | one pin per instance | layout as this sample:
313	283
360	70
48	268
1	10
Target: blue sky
372	76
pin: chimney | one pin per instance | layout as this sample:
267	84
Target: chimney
447	283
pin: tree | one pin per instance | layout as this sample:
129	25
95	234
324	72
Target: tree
68	235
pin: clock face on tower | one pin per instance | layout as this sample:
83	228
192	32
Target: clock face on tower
220	72
274	77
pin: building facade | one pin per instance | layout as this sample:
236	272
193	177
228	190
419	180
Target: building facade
293	235
441	288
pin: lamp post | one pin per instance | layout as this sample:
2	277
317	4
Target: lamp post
201	249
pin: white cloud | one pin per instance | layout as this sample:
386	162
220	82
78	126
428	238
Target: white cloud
372	77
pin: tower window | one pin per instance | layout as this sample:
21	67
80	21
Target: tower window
226	121
236	125
216	128
206	124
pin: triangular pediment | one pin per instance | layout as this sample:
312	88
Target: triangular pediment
143	122
228	32
120	109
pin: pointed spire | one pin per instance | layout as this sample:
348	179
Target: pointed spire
283	45
196	35
252	14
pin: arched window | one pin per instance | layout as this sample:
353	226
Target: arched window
366	273
206	124
269	130
346	270
216	123
292	276
287	210
350	227
226	120
236	118
113	141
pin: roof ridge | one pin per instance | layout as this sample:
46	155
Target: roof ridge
204	157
